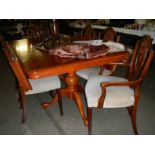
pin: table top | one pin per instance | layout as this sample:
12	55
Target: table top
39	63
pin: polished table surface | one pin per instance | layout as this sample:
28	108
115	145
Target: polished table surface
39	64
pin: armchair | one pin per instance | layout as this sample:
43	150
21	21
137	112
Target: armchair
117	92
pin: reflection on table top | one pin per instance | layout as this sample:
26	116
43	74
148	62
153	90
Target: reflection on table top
38	63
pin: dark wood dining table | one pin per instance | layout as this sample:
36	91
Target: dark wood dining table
38	63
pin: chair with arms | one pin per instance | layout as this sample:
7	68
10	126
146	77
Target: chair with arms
107	35
28	86
117	92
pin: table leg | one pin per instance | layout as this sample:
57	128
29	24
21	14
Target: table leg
53	100
79	103
73	91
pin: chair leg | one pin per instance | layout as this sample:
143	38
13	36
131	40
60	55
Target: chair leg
52	93
89	117
16	88
60	102
129	110
133	120
22	101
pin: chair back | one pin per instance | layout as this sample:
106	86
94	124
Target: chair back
16	66
141	58
109	35
88	33
38	33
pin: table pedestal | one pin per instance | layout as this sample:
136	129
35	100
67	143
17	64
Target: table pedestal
73	91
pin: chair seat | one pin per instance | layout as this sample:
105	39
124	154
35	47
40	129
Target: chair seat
87	73
44	84
116	96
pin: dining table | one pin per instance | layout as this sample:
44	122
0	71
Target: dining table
39	63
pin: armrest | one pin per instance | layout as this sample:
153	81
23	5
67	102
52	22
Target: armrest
125	83
104	85
112	67
125	64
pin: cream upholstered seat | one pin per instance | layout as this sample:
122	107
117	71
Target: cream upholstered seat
117	92
116	96
44	84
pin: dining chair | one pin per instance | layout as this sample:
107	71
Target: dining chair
38	33
28	86
87	33
117	92
107	35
